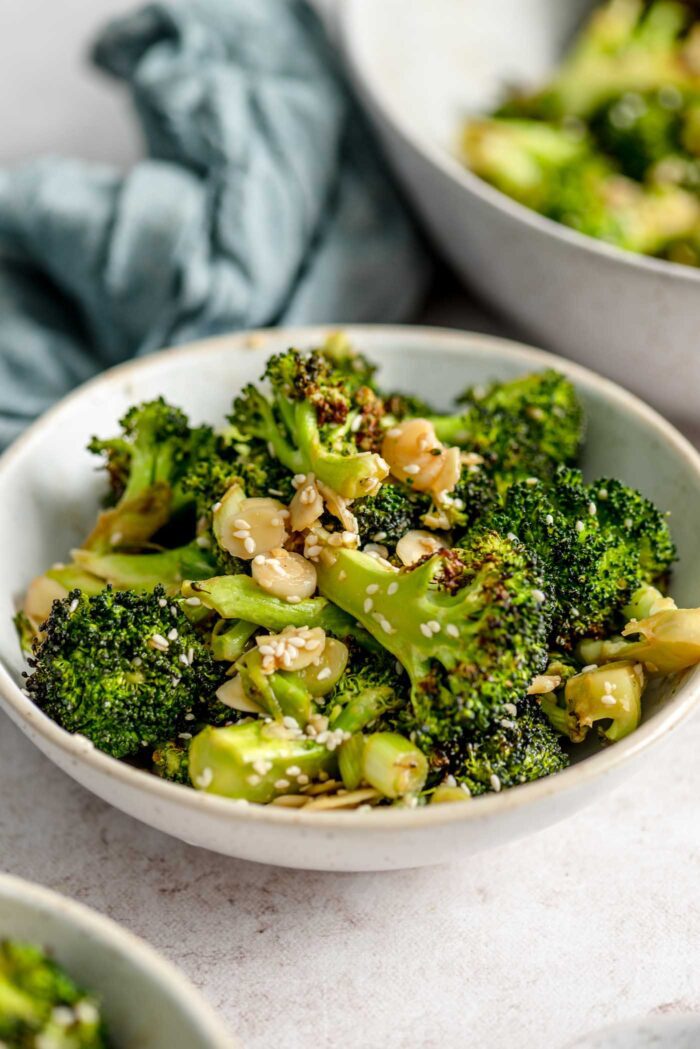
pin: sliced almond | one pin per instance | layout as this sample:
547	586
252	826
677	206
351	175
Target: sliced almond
338	506
350	800
247	527
40	596
543	683
415	544
233	695
284	574
450	472
307	505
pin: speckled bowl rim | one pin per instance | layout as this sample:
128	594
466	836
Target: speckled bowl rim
676	710
369	82
102	933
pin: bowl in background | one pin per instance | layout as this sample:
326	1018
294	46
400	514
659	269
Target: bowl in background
146	1002
50	492
420	69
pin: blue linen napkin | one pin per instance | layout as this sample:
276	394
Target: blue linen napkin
262	200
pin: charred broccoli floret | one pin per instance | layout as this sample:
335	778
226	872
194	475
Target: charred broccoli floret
171	761
393	511
469	626
520	428
124	669
146	464
598	543
520	749
41	1006
307	422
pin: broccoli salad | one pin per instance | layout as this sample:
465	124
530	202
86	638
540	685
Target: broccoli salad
611	144
344	598
40	1005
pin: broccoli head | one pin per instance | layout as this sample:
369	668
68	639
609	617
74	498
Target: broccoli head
524	427
40	1005
393	511
146	463
598	543
639	131
469	626
520	749
171	761
124	669
310	419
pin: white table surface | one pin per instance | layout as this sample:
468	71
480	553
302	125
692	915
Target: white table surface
530	945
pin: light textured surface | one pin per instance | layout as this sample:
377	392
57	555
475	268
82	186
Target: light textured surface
532	945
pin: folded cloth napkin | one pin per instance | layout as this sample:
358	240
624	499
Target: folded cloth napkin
262	200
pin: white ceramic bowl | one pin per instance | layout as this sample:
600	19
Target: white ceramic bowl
49	493
146	1002
420	68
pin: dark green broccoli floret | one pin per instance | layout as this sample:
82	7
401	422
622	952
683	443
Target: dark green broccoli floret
122	668
469	627
521	428
146	463
41	1006
307	423
640	130
598	543
521	749
389	514
369	693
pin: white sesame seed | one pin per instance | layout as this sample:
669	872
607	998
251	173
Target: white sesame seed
395	431
495	782
281	784
189	717
392	588
183	659
452	630
324	674
434	626
293	770
162	602
242	533
205	778
172	634
592	509
412	469
608	700
73	605
302	779
372	588
539	596
549	519
216	506
531	480
184	735
580	526
356	424
628	522
510	708
293	599
194	602
368	605
253	779
159	641
249	545
425	630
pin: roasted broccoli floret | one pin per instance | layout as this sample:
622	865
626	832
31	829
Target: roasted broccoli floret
393	511
520	749
626	46
558	174
307	422
598	543
469	626
521	428
146	463
639	131
41	1006
124	669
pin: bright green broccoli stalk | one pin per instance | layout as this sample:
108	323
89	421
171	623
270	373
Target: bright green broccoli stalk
41	1006
469	626
144	571
610	694
257	761
146	463
522	428
307	422
123	669
626	46
520	749
240	597
598	543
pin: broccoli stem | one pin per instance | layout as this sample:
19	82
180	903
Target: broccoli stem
228	640
446	794
240	597
393	765
251	761
365	708
351	761
144	571
645	601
